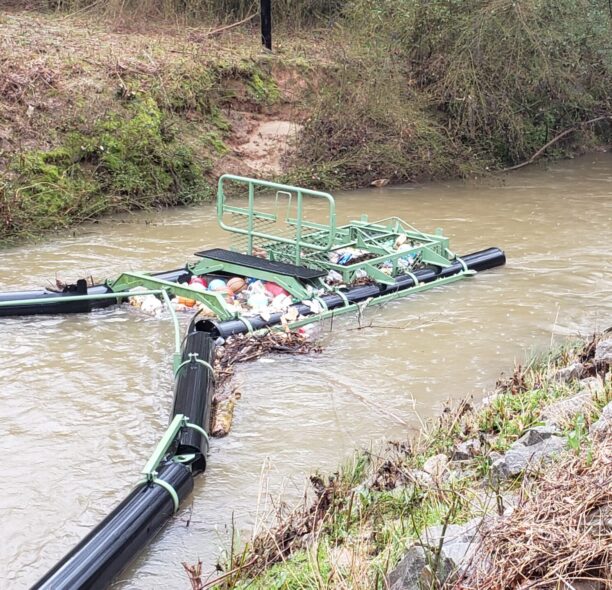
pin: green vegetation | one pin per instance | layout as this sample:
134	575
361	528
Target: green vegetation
436	88
392	89
362	519
124	162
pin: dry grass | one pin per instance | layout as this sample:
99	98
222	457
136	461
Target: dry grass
561	533
61	72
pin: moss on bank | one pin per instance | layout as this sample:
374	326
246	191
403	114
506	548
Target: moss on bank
361	520
387	90
104	134
123	162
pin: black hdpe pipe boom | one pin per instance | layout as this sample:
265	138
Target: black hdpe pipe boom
108	548
192	396
112	545
80	288
477	261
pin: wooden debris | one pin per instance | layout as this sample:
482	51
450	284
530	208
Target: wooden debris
244	348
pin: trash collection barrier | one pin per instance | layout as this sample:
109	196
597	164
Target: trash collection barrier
108	548
40	307
112	545
193	396
477	261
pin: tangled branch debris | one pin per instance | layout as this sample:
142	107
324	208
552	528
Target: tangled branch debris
561	533
244	348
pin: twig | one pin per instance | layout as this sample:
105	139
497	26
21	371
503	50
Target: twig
231	26
555	140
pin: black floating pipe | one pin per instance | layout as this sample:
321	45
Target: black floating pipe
192	396
478	261
108	548
112	545
80	288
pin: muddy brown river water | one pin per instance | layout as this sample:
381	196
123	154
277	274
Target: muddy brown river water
84	399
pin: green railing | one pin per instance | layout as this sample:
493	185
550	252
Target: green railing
296	227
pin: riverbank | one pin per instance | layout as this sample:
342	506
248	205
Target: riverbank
510	493
101	116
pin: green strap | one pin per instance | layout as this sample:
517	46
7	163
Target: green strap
343	296
193	358
321	303
164	484
462	262
413	277
248	324
198	429
169	489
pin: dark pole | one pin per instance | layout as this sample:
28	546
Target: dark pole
266	23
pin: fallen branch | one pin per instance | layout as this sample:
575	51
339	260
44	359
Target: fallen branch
231	26
555	140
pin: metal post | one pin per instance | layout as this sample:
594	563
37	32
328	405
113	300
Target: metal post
265	13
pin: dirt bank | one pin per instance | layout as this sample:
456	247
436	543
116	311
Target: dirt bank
100	116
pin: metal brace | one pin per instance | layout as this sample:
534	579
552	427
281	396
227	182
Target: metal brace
193	358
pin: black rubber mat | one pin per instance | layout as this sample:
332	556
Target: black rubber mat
281	268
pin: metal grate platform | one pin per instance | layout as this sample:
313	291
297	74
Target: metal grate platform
281	268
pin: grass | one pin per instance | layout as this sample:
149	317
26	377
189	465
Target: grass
360	521
395	90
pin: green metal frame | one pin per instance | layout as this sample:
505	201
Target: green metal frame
214	301
149	471
310	243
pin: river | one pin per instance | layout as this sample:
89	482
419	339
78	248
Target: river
84	399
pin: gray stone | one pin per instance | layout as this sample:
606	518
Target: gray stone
436	466
564	410
461	554
520	458
603	351
569	373
592	385
455	533
599	520
603	427
413	572
537	434
422	478
466	450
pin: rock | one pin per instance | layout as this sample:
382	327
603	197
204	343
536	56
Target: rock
537	434
593	385
569	373
603	352
599	520
460	554
436	466
342	557
603	427
413	572
455	533
520	458
466	450
422	478
564	410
